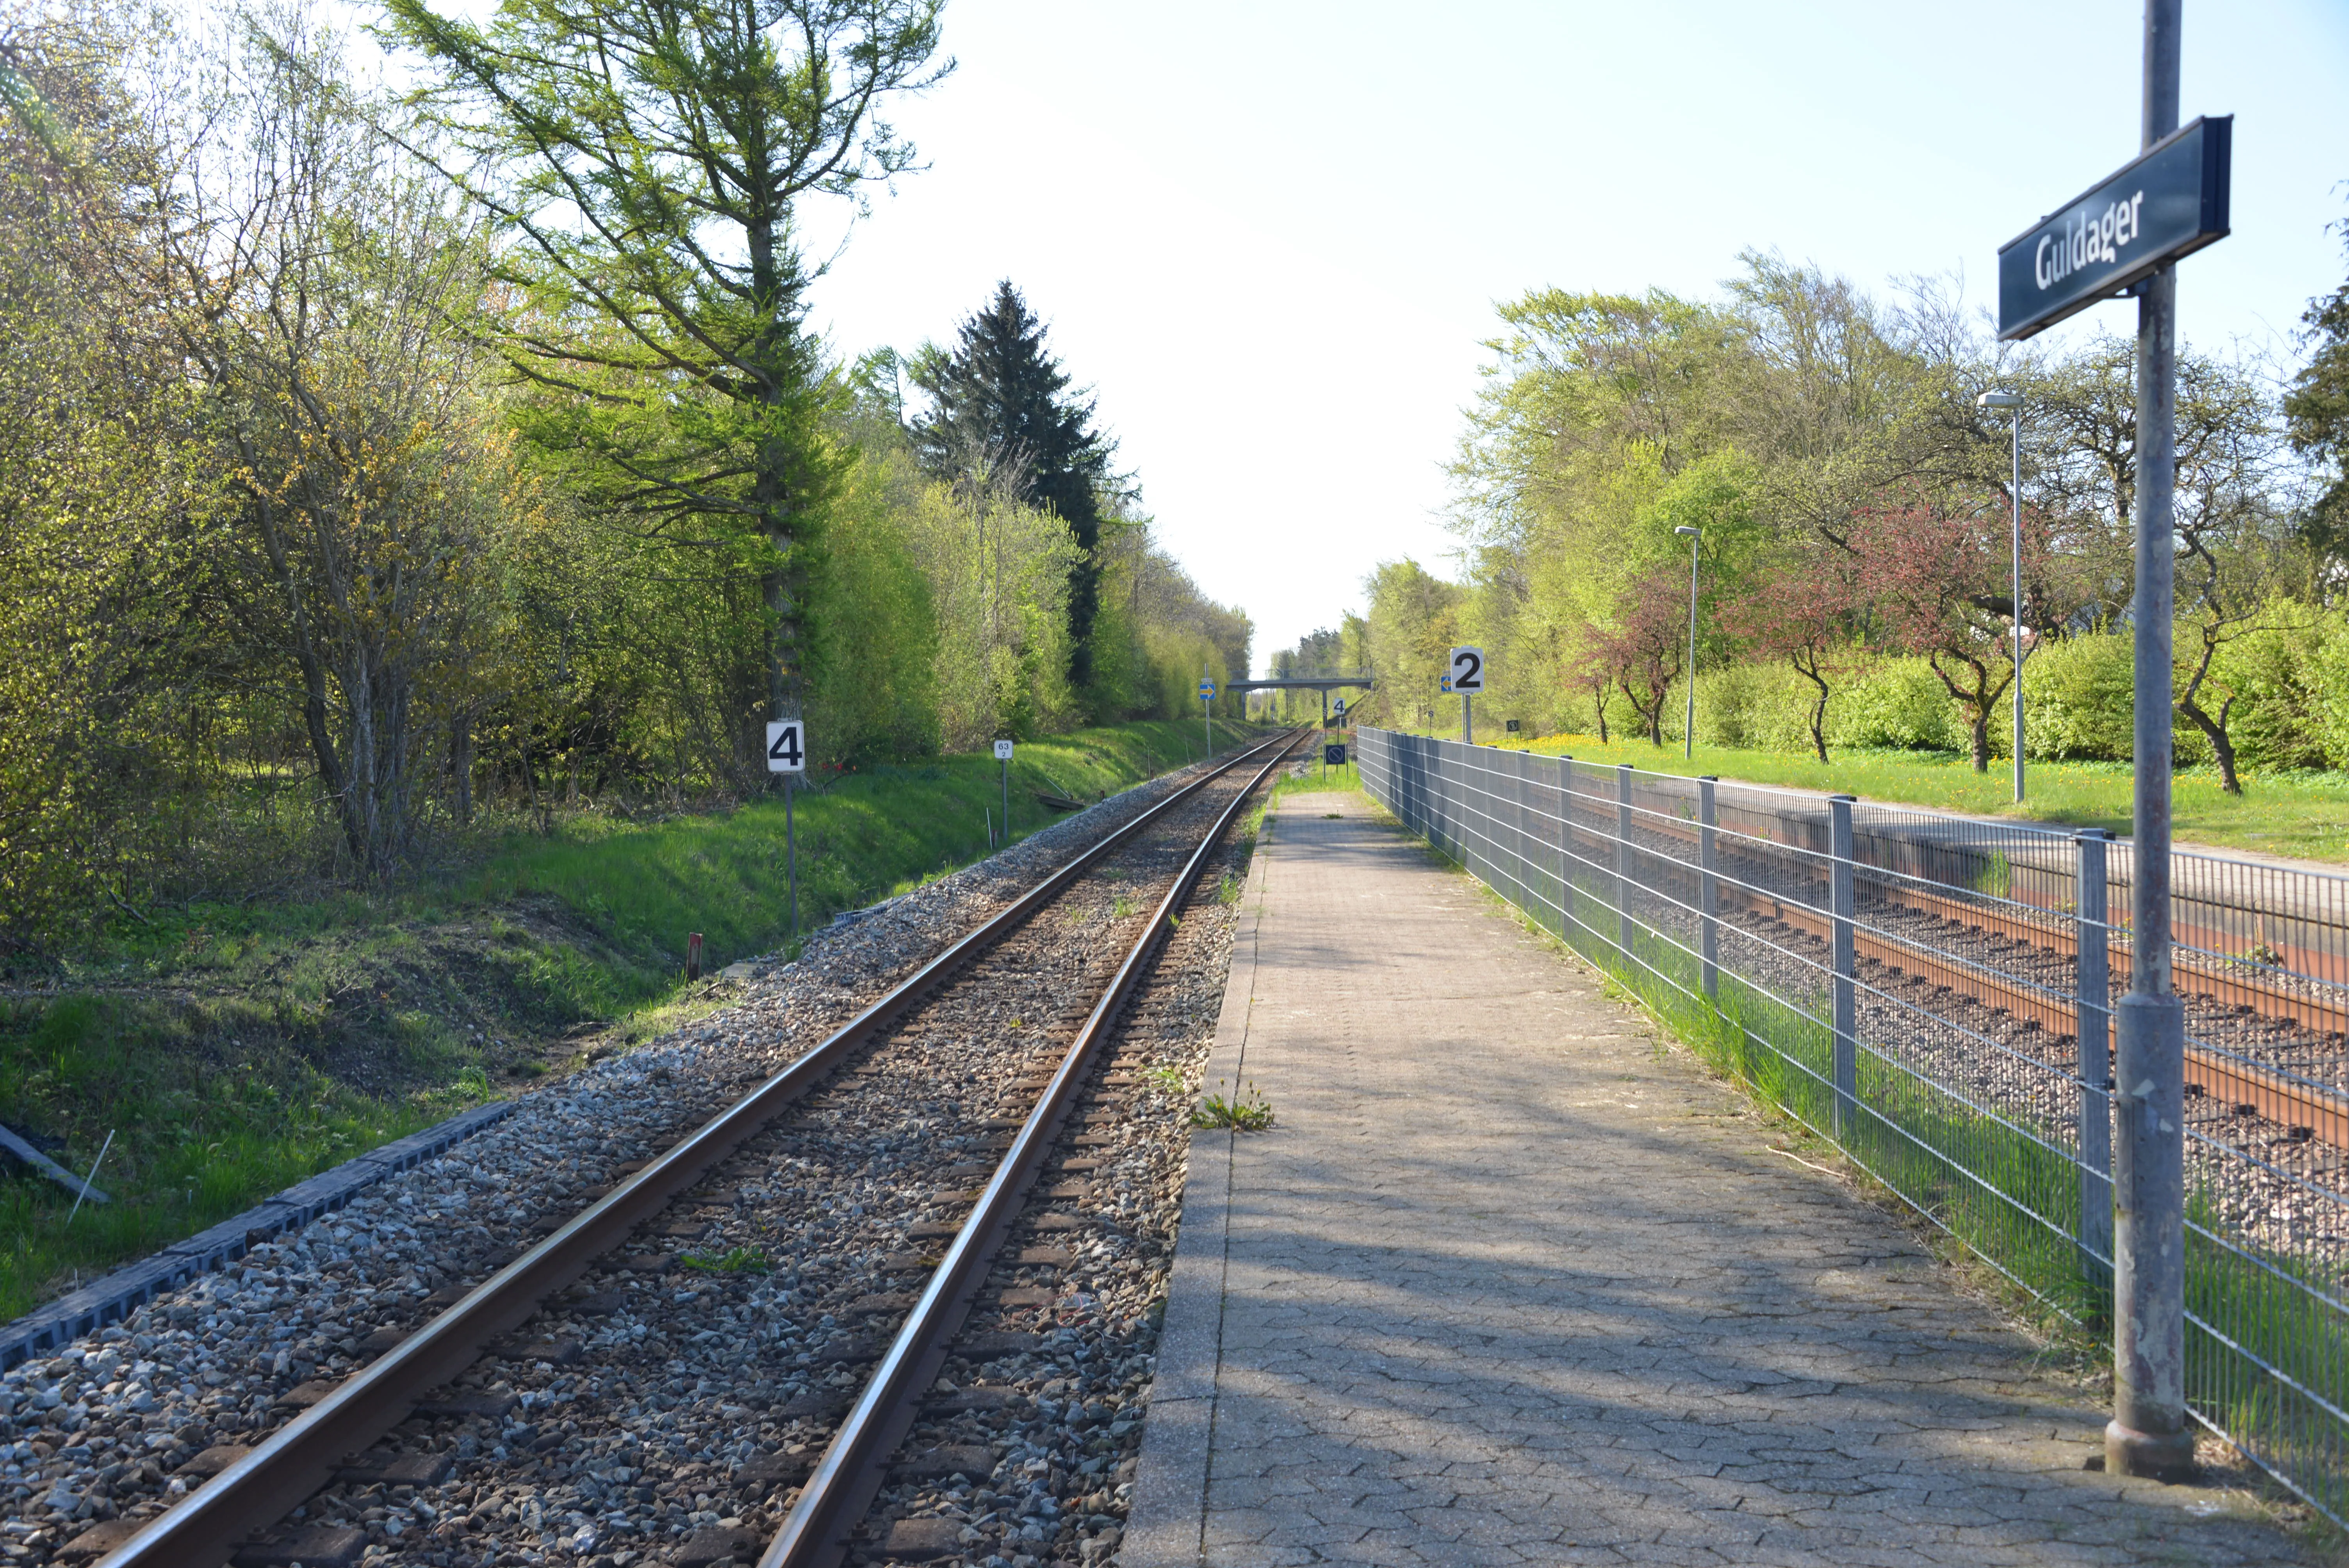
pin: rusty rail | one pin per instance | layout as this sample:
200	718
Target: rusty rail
815	1535
302	1456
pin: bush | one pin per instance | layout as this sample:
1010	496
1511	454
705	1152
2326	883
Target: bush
1895	703
2278	676
2078	699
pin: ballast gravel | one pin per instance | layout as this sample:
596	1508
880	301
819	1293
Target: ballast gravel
128	1419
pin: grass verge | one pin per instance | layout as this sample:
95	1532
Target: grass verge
233	1049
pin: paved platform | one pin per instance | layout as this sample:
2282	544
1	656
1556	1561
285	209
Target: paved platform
1509	1284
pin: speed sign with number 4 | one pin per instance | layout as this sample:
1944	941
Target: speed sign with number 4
786	747
1467	669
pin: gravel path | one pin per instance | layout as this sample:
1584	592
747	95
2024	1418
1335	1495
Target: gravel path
655	1409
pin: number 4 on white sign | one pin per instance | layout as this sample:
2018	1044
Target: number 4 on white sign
786	747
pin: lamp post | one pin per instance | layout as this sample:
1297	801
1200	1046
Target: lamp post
2013	402
1688	726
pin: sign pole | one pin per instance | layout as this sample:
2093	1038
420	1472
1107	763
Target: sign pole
2014	510
2149	1435
787	754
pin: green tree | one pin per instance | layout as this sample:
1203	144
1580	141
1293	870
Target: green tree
2317	413
646	158
999	404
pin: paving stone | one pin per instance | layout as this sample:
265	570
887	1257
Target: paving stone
1509	1282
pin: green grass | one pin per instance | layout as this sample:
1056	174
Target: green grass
233	1049
2304	814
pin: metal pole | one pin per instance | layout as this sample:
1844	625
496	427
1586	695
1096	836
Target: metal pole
2149	1435
1841	908
1007	800
2014	510
1467	734
2093	1023
791	855
1688	726
1623	862
1565	845
1708	817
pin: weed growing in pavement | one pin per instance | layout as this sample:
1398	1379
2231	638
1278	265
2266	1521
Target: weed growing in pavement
1228	890
736	1260
1246	1113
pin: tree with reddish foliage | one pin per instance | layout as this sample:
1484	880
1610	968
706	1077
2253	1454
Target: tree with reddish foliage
1804	608
1940	580
1644	652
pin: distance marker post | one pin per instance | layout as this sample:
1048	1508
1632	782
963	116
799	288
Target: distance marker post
786	754
1003	755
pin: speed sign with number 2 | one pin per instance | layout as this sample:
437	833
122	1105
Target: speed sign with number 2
1467	669
786	747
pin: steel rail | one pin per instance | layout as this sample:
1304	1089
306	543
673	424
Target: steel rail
841	1489
2280	1098
294	1461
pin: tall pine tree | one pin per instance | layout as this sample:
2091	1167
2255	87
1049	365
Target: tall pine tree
999	404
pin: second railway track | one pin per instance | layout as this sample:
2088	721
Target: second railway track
649	1382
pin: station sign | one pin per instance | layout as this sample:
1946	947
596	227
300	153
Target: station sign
2170	202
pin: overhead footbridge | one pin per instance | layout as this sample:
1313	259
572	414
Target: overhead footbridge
1324	681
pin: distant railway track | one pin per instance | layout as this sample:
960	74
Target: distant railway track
324	1449
2253	1089
2312	1111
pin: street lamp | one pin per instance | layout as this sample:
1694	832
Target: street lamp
2013	403
1688	726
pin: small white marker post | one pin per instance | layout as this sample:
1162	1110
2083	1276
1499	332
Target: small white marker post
1003	755
786	754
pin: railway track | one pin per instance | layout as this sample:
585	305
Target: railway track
2308	1109
774	1203
2311	1110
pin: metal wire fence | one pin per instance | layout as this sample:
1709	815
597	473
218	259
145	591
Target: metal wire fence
1934	994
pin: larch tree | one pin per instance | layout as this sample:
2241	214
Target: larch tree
1001	404
646	159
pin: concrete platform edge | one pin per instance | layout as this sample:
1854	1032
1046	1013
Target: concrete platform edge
1167	1523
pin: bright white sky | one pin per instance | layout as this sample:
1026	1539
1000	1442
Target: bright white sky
1271	235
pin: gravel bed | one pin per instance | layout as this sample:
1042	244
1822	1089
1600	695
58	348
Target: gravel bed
110	1427
1025	1453
2262	1185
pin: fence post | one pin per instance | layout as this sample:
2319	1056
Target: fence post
1841	900
1708	817
1567	918
1623	863
2093	933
